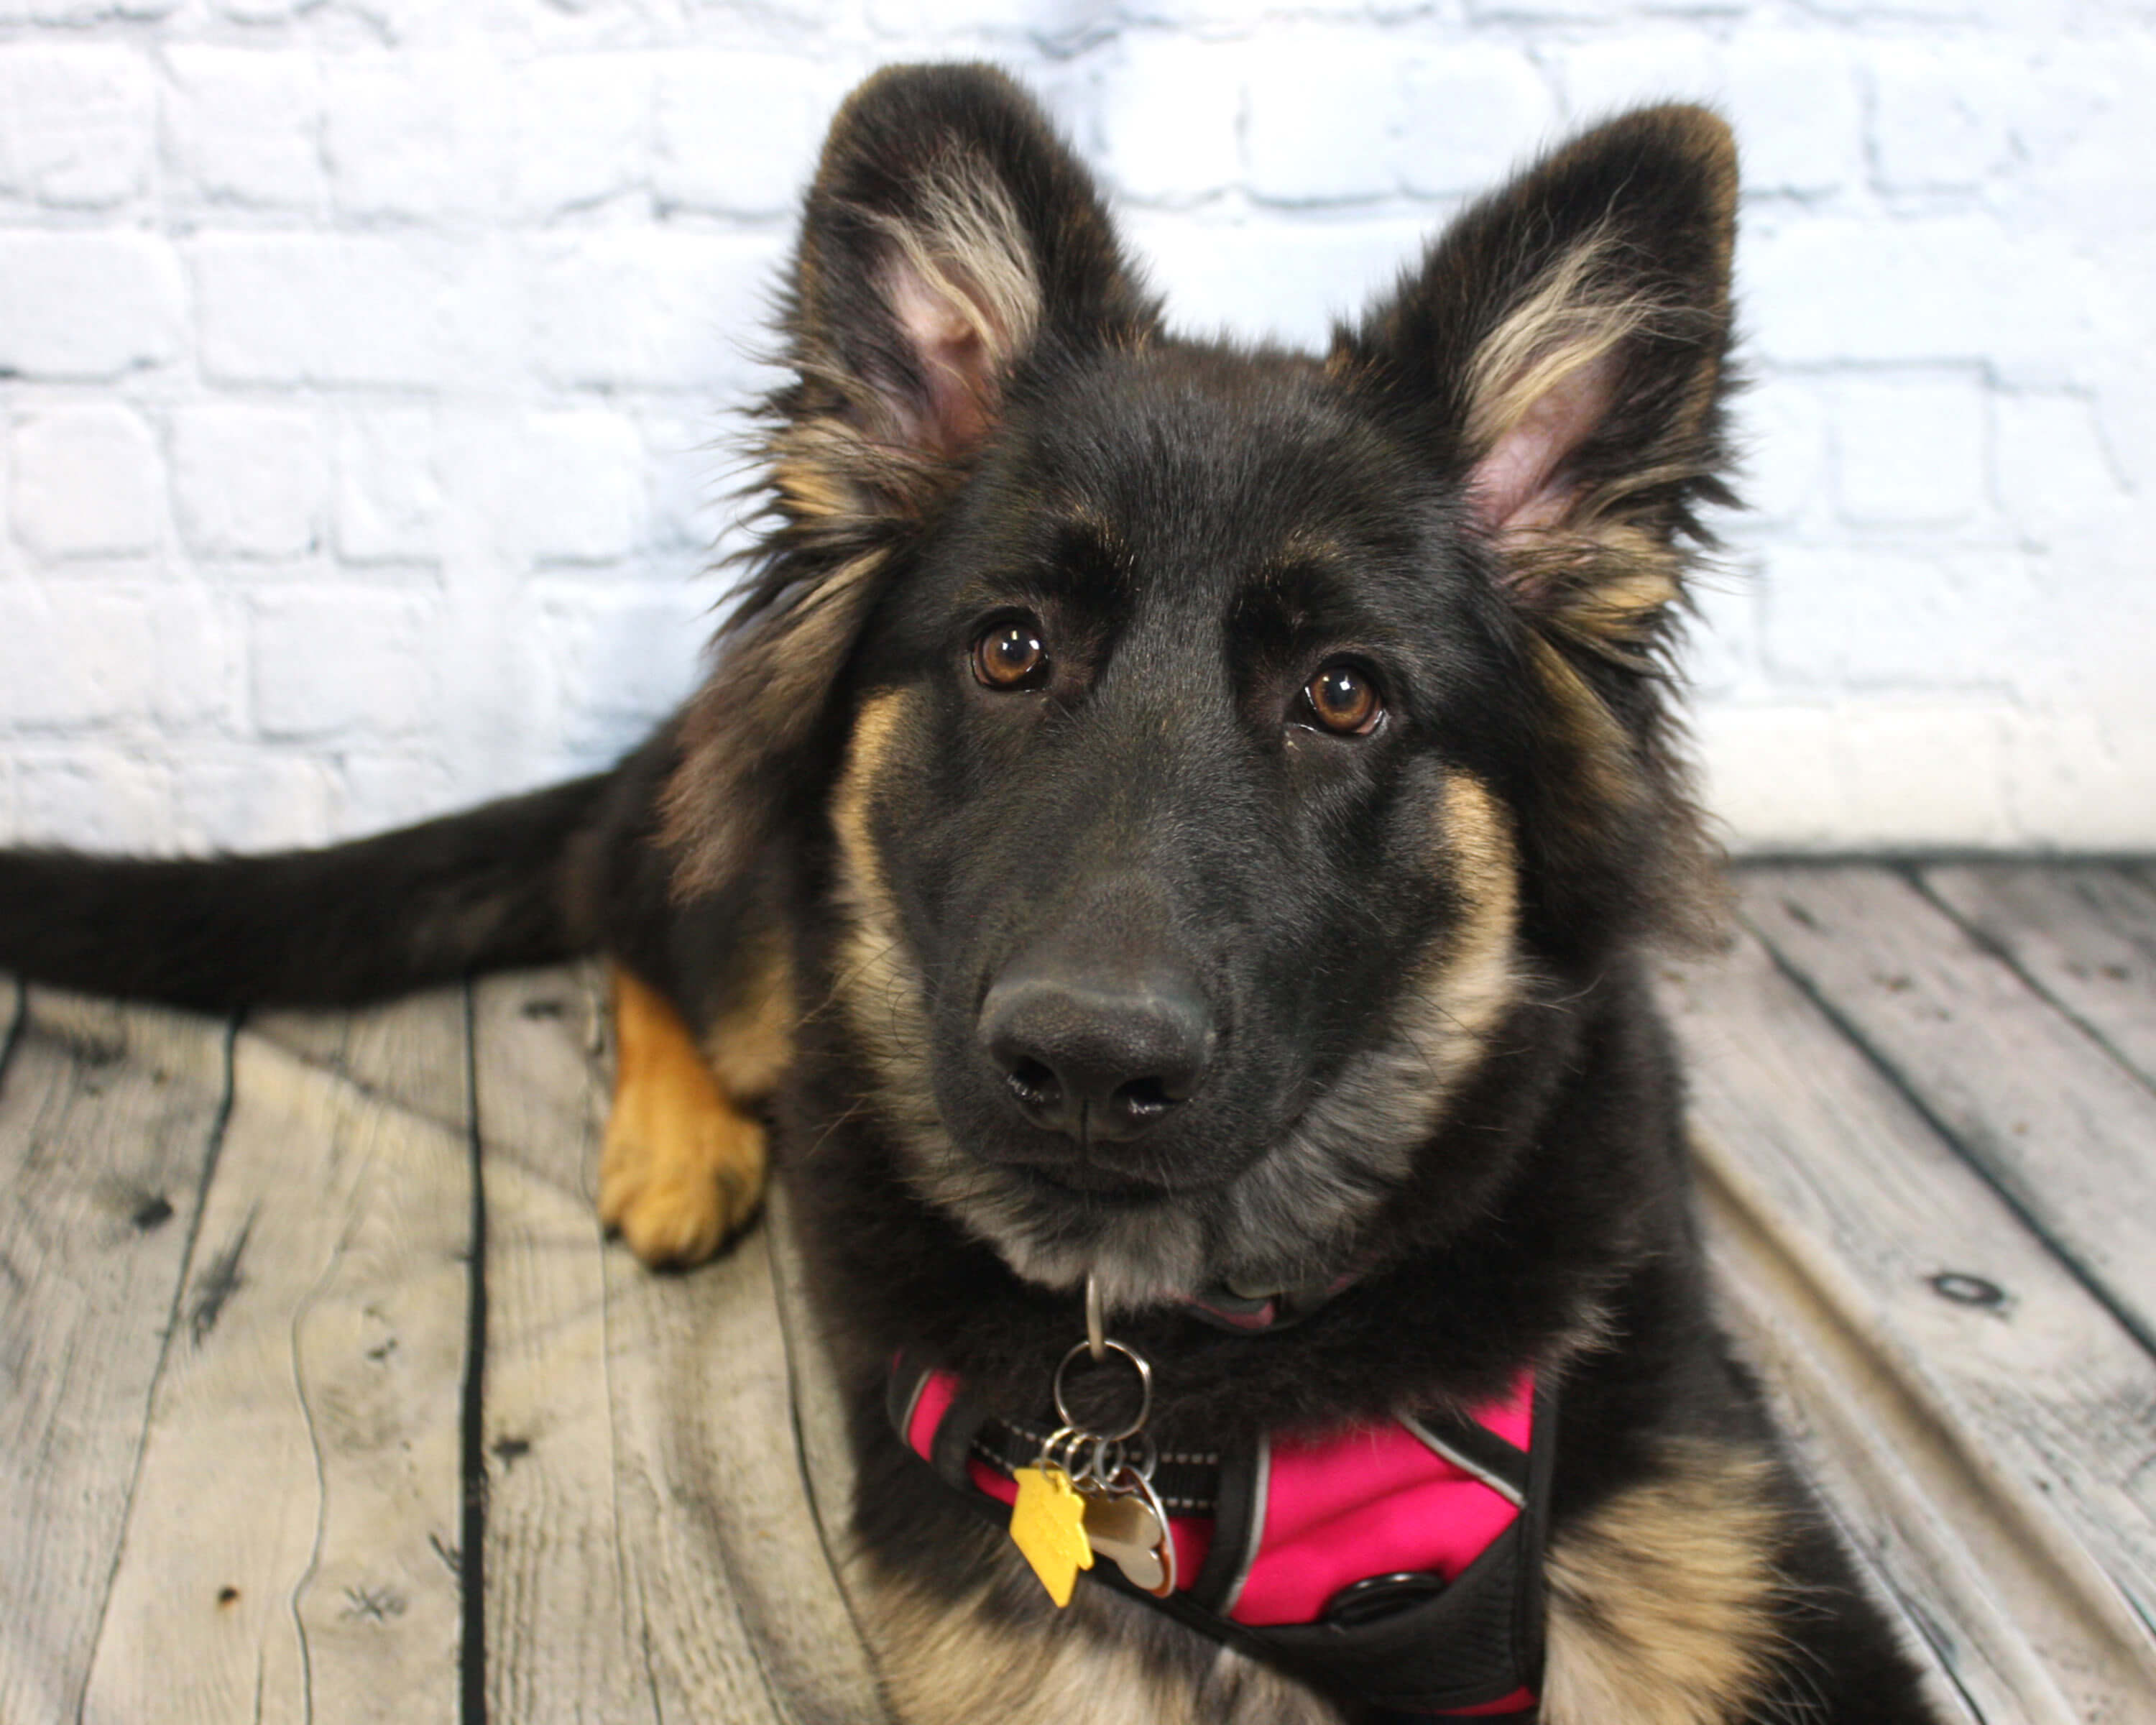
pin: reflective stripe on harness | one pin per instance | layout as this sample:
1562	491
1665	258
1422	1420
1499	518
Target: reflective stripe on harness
1397	1564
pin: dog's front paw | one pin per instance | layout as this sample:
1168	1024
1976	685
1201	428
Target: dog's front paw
675	1187
682	1171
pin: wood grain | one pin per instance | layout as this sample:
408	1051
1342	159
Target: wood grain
722	1581
2045	1112
108	1120
1987	1419
2084	935
565	1637
292	1551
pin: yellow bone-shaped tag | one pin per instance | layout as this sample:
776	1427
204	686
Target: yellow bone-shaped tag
1048	1525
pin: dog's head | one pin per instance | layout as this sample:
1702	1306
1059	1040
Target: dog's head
1213	750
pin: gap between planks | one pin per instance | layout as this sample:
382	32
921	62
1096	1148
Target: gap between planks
109	1122
2044	1112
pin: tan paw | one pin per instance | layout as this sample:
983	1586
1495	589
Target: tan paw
682	1170
675	1202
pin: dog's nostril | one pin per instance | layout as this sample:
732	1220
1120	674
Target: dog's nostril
1144	1099
1033	1084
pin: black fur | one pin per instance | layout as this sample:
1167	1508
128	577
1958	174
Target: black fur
1404	968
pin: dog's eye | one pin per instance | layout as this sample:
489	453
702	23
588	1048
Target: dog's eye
1343	701
1011	655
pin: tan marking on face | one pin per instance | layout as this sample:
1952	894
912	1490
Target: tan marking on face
879	985
1661	1605
683	1164
1475	980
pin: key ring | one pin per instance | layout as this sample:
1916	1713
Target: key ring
1145	1388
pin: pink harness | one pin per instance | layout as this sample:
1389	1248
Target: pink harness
1400	1562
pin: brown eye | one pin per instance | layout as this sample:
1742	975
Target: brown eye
1011	655
1343	700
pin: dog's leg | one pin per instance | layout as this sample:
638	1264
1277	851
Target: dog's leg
683	1168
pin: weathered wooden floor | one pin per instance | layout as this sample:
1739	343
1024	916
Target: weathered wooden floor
321	1398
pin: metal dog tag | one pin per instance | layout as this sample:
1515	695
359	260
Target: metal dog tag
1048	1527
1126	1529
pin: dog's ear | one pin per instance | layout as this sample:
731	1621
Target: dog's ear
1564	347
951	242
1561	357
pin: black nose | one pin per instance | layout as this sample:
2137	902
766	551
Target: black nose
1097	1057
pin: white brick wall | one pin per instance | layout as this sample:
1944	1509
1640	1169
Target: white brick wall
366	366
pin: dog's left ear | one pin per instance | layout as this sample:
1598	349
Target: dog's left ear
1563	349
951	246
1560	357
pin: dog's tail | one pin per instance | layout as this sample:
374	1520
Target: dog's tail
507	884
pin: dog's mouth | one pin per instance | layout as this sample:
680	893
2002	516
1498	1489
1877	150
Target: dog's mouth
1094	1184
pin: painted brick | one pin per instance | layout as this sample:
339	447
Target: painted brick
2056	477
338	662
1601	77
95	795
87	11
1276	278
649	310
1469	115
583	486
582	131
323	308
1920	773
1795	102
419	136
86	482
75	656
613	661
1940	191
2081	783
1850	617
1789	94
1170	117
1842	288
76	123
1322	140
1769	771
92	650
1909	453
248	482
244	125
739	133
87	304
694	466
1783	436
389	486
260	801
381	788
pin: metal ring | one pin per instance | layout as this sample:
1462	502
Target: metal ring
1096	1334
1065	1438
1145	1388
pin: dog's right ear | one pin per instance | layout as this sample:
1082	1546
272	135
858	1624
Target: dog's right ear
950	241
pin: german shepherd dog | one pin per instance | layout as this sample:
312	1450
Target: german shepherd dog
1191	820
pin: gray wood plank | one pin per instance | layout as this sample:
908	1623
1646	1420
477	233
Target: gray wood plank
2065	1132
1989	1452
672	1469
292	1549
564	1641
2084	934
108	1119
